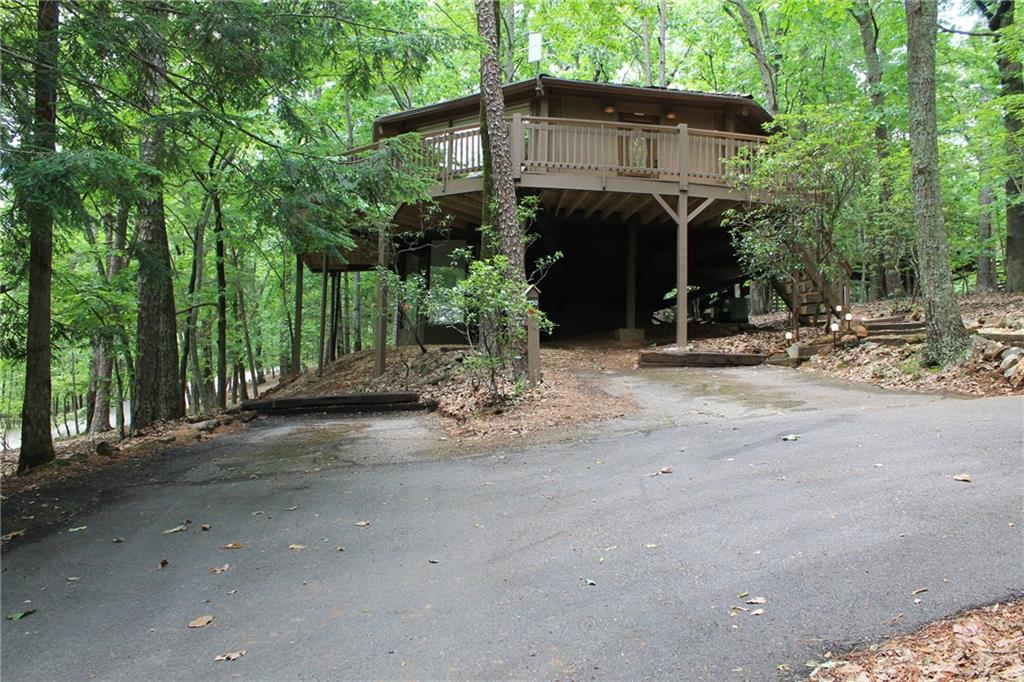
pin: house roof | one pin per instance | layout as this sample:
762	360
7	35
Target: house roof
547	83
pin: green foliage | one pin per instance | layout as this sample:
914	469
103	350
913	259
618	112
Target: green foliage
486	308
817	183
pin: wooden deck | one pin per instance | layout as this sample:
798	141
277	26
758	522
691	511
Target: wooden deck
594	156
665	358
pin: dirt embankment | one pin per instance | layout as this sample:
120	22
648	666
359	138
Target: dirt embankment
466	400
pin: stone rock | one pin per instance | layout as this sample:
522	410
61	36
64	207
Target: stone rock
848	339
783	360
1008	362
165	439
1010	371
987	349
105	449
1012	350
1017	377
860	330
870	345
208	425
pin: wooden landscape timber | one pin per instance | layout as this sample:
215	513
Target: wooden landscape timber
342	403
661	358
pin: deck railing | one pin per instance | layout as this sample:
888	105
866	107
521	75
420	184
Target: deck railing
561	145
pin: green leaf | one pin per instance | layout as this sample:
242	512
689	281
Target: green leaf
18	615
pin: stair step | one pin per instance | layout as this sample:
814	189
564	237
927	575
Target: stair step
893	326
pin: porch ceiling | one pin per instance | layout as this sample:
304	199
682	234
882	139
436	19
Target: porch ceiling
460	211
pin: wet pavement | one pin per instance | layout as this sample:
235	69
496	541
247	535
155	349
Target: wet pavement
566	558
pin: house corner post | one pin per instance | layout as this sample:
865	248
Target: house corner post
682	273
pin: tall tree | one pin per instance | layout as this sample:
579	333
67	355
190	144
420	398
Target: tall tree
986	263
506	219
999	14
36	441
157	393
947	339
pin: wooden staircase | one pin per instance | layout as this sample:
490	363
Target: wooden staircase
811	303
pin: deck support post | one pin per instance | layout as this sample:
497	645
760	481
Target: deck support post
323	315
682	273
380	326
631	277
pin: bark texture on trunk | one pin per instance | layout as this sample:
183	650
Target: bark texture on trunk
947	339
1000	15
662	42
36	441
755	30
505	211
222	304
297	336
986	264
882	282
157	394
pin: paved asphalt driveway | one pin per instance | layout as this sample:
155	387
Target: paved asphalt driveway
561	560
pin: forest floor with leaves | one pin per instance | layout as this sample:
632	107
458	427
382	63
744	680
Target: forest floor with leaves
900	366
984	644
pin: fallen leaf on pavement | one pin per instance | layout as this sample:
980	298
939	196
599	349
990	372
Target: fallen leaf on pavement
757	612
757	600
741	595
963	478
920	590
116	540
205	526
433	561
200	621
220	569
791	436
176	529
164	562
232	591
296	547
231	656
587	581
232	545
651	546
12	535
76	529
18	615
72	578
291	508
362	524
339	548
665	470
608	549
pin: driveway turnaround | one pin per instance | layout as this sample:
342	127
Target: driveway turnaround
740	524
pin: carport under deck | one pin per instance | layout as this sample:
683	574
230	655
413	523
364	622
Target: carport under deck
598	175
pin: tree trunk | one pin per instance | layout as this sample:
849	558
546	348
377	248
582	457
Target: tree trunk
645	38
505	209
760	298
986	266
248	344
863	13
157	394
346	318
297	336
222	304
509	20
195	286
758	39
947	339
662	42
357	322
506	218
36	439
1011	85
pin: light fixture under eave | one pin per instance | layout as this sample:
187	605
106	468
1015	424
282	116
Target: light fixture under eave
670	115
609	108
